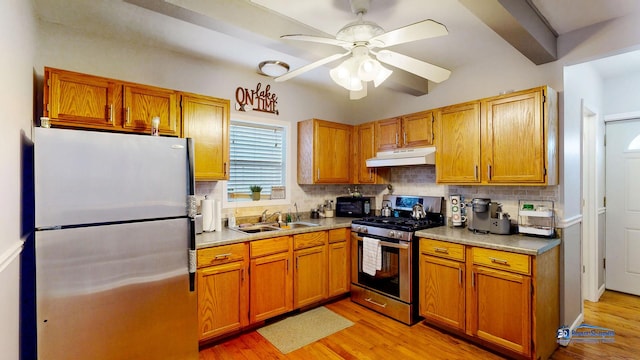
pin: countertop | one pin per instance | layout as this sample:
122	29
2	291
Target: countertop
515	243
228	236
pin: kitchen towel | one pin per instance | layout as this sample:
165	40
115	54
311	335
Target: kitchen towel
206	208
371	255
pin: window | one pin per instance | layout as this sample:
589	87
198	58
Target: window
258	156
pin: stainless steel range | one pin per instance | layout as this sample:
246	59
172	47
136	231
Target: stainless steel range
384	266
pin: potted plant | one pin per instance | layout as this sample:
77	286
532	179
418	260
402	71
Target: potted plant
255	192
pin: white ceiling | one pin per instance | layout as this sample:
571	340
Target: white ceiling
246	32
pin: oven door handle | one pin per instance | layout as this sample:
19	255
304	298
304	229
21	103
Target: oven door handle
392	245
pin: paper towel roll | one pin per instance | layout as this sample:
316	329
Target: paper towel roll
207	214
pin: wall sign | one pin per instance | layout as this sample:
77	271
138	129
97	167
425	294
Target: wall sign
256	100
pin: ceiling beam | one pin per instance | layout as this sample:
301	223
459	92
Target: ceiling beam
520	25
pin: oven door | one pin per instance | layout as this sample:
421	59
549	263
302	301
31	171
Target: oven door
394	277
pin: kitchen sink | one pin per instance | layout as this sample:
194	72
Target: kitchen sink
300	224
256	228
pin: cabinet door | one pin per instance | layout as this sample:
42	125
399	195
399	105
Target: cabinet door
442	293
143	103
206	120
514	147
310	276
388	134
80	100
222	299
366	150
458	155
332	152
271	286
338	268
417	129
500	308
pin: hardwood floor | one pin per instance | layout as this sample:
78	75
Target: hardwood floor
377	337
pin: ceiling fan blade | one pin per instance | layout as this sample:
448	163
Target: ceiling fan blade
414	66
318	39
311	66
421	30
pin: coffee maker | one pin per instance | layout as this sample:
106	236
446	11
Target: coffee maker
489	218
481	221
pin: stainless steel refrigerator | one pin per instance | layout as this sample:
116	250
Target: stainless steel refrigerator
114	246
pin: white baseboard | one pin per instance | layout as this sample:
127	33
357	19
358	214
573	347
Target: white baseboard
10	254
601	291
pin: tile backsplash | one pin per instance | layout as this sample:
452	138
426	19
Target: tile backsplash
408	180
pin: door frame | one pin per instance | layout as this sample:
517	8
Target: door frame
589	191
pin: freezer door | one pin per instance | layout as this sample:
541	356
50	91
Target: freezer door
86	177
115	292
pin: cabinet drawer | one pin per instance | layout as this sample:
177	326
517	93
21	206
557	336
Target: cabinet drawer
338	235
442	249
503	260
221	254
311	239
269	246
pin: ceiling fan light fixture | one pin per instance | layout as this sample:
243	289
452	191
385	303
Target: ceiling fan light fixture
273	68
368	69
383	74
346	75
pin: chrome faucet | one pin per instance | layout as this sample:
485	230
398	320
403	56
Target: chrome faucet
264	217
297	215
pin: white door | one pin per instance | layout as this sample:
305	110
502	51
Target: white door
623	206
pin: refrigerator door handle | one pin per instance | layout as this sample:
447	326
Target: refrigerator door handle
192	255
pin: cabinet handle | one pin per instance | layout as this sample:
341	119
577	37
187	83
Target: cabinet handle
405	138
224	168
489	171
375	303
111	113
370	174
459	276
473	279
441	250
296	263
287	265
499	261
222	256
475	173
396	139
318	174
242	275
128	116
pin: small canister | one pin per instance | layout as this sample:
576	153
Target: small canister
155	126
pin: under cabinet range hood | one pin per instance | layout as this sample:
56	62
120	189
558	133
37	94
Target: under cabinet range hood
404	157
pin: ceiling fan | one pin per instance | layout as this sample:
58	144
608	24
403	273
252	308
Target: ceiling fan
361	39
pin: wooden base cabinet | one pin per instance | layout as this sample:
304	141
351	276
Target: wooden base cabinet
507	301
223	291
271	278
339	262
310	272
442	283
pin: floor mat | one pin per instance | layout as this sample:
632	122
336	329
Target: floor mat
297	331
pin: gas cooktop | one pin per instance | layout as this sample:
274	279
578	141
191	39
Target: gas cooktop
403	223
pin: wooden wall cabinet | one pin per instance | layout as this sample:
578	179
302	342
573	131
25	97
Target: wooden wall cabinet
507	301
142	103
458	151
310	268
85	101
365	148
324	152
271	278
504	140
206	120
79	100
223	291
411	130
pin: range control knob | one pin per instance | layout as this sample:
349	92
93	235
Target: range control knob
392	234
